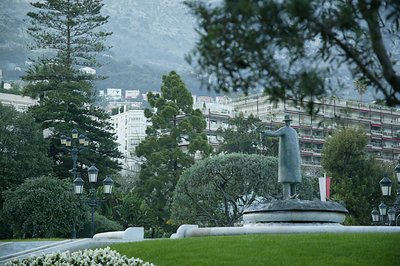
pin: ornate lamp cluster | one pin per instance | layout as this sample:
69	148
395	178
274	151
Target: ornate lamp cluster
385	215
93	201
75	144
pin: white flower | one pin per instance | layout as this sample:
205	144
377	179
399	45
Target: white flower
105	256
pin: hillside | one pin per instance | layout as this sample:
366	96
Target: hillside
150	38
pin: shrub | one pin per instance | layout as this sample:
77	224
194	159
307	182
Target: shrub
41	207
98	256
216	190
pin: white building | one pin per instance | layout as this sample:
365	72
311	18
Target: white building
217	116
132	94
21	103
88	70
130	129
113	93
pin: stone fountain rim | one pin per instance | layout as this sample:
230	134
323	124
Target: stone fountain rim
296	205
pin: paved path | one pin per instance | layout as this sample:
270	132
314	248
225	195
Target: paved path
8	248
19	250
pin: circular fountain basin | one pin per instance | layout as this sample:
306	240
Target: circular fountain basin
295	211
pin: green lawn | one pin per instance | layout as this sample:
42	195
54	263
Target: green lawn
290	249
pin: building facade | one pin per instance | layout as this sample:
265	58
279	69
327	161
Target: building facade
380	123
130	129
217	116
21	103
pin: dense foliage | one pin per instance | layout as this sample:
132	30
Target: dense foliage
244	135
130	209
216	190
41	207
294	49
23	151
67	36
354	174
173	140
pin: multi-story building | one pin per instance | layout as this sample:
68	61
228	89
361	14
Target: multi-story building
130	124
130	129
21	103
381	124
217	116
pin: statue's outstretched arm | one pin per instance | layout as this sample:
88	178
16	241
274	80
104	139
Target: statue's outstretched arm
270	133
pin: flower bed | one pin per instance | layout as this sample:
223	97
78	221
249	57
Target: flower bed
85	257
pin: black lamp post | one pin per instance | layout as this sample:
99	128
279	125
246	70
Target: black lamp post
74	144
93	201
385	215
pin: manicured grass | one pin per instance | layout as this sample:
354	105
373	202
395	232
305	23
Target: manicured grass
290	249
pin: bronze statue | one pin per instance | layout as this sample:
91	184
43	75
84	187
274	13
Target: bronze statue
289	158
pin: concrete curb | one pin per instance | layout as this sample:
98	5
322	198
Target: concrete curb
194	231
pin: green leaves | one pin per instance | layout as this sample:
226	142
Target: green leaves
216	190
294	49
68	32
173	139
245	136
355	176
23	151
41	207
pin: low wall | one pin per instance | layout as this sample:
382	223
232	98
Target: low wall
130	234
194	231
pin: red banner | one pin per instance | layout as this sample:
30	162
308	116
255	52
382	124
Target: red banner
328	187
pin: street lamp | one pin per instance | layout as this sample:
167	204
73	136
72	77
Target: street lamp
382	208
375	215
386	186
387	215
93	201
74	144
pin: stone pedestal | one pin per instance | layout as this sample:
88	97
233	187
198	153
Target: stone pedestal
295	211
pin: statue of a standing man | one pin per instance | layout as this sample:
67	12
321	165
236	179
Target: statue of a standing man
289	158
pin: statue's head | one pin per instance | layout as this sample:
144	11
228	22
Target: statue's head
287	120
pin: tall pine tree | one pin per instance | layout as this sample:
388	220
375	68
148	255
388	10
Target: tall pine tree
173	140
67	35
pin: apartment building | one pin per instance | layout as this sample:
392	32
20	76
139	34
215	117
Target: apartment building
217	116
381	124
130	129
21	103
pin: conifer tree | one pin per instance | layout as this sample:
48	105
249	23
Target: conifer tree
67	35
174	138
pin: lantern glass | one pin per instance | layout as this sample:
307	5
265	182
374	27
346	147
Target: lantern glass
375	215
398	176
382	208
68	142
108	185
86	143
78	185
74	133
63	140
82	139
92	173
386	186
391	214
